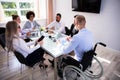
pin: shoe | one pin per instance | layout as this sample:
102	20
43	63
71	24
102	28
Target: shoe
43	65
43	59
52	62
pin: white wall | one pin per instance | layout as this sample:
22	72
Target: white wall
105	26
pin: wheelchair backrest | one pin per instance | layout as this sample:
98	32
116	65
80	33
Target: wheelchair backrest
87	59
88	56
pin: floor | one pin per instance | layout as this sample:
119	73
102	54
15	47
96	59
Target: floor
109	59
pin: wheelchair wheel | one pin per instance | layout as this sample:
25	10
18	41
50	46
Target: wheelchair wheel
96	69
73	73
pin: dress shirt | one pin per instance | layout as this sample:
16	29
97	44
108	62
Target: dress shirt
21	35
28	26
24	48
80	43
31	22
59	26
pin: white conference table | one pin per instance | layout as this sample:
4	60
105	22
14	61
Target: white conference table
53	49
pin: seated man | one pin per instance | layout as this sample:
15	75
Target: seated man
72	31
57	25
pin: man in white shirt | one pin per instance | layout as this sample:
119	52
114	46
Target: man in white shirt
57	25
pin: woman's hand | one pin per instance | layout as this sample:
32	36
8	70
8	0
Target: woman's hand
28	34
40	42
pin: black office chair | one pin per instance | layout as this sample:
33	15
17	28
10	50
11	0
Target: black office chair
2	43
2	40
23	60
2	30
20	57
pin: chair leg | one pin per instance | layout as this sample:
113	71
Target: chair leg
46	71
43	67
21	69
32	73
8	58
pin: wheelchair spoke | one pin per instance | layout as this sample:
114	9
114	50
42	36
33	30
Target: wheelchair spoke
73	73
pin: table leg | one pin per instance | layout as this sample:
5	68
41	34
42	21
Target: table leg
55	68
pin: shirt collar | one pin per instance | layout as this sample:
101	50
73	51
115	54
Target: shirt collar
58	22
83	29
15	36
30	21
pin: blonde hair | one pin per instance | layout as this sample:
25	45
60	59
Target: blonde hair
81	19
11	31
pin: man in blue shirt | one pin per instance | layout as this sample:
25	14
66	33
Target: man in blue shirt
82	41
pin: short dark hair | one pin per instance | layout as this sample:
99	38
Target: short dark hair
14	17
75	15
58	14
30	13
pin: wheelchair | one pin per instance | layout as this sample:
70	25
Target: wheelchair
80	71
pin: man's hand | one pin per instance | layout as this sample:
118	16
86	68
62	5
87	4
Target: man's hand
68	38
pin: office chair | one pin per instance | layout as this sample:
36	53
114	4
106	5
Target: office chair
2	43
2	30
2	40
23	60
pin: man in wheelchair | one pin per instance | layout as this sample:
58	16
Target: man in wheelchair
76	68
80	43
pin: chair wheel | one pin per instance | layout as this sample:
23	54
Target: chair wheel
73	73
41	66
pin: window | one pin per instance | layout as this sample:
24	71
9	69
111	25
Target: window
21	7
25	7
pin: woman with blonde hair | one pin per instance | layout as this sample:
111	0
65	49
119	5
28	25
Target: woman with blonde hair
23	35
15	43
